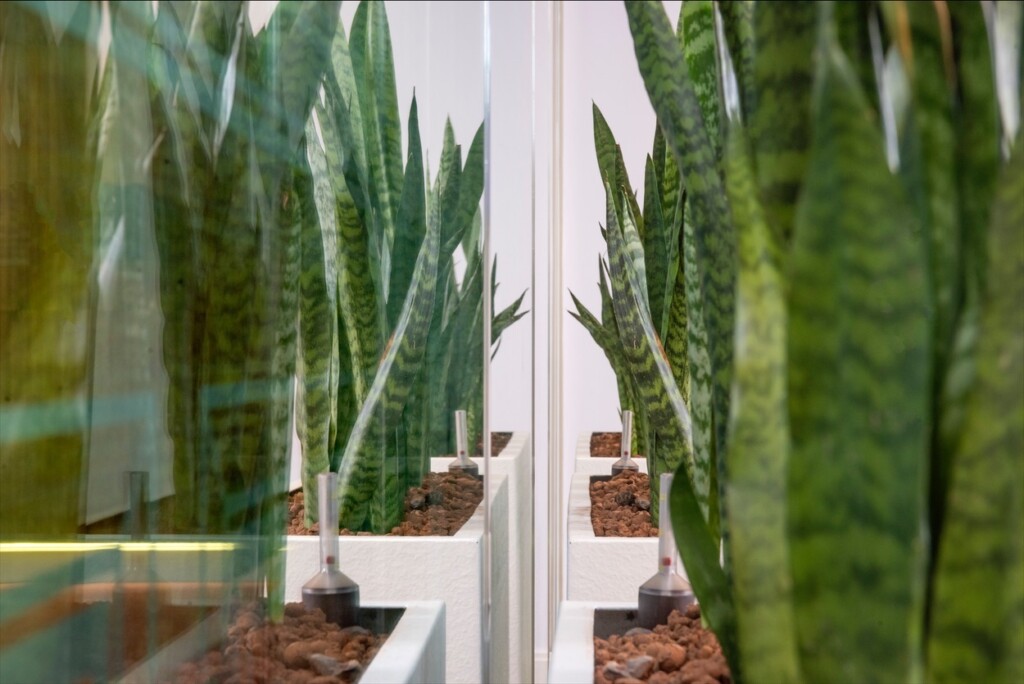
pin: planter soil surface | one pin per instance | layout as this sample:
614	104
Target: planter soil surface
304	649
438	507
621	506
681	652
606	444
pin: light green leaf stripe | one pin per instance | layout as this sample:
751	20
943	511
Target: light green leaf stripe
679	114
858	388
755	486
977	628
780	122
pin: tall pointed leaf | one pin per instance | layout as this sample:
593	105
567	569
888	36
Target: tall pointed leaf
977	629
755	487
679	113
365	476
700	49
659	395
780	122
858	388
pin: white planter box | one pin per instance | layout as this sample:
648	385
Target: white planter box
572	653
604	568
414	652
448	569
597	465
516	463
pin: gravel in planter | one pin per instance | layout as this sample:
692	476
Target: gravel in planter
438	507
621	506
304	649
681	652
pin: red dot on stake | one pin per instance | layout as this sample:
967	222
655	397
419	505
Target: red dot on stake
330	560
666	561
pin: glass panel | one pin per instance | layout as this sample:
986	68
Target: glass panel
236	237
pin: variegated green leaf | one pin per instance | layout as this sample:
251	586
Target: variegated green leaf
858	388
679	114
371	489
738	27
374	70
412	221
780	121
755	482
977	619
700	392
696	27
317	405
658	394
699	550
657	252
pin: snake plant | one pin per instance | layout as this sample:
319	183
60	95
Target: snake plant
856	213
391	341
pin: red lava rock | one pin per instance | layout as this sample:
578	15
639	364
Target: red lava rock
680	652
264	652
620	507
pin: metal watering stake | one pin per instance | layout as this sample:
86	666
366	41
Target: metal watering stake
626	461
666	590
462	464
331	590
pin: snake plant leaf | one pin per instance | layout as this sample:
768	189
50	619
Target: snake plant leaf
412	220
363	462
927	166
678	110
977	625
780	121
447	187
852	20
627	397
977	128
650	370
667	173
348	157
657	252
609	158
211	42
677	350
701	386
699	551
634	247
317	401
858	386
700	49
755	486
358	261
374	70
471	188
304	54
976	125
738	27
933	121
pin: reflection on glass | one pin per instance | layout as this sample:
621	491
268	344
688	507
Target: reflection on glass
149	264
